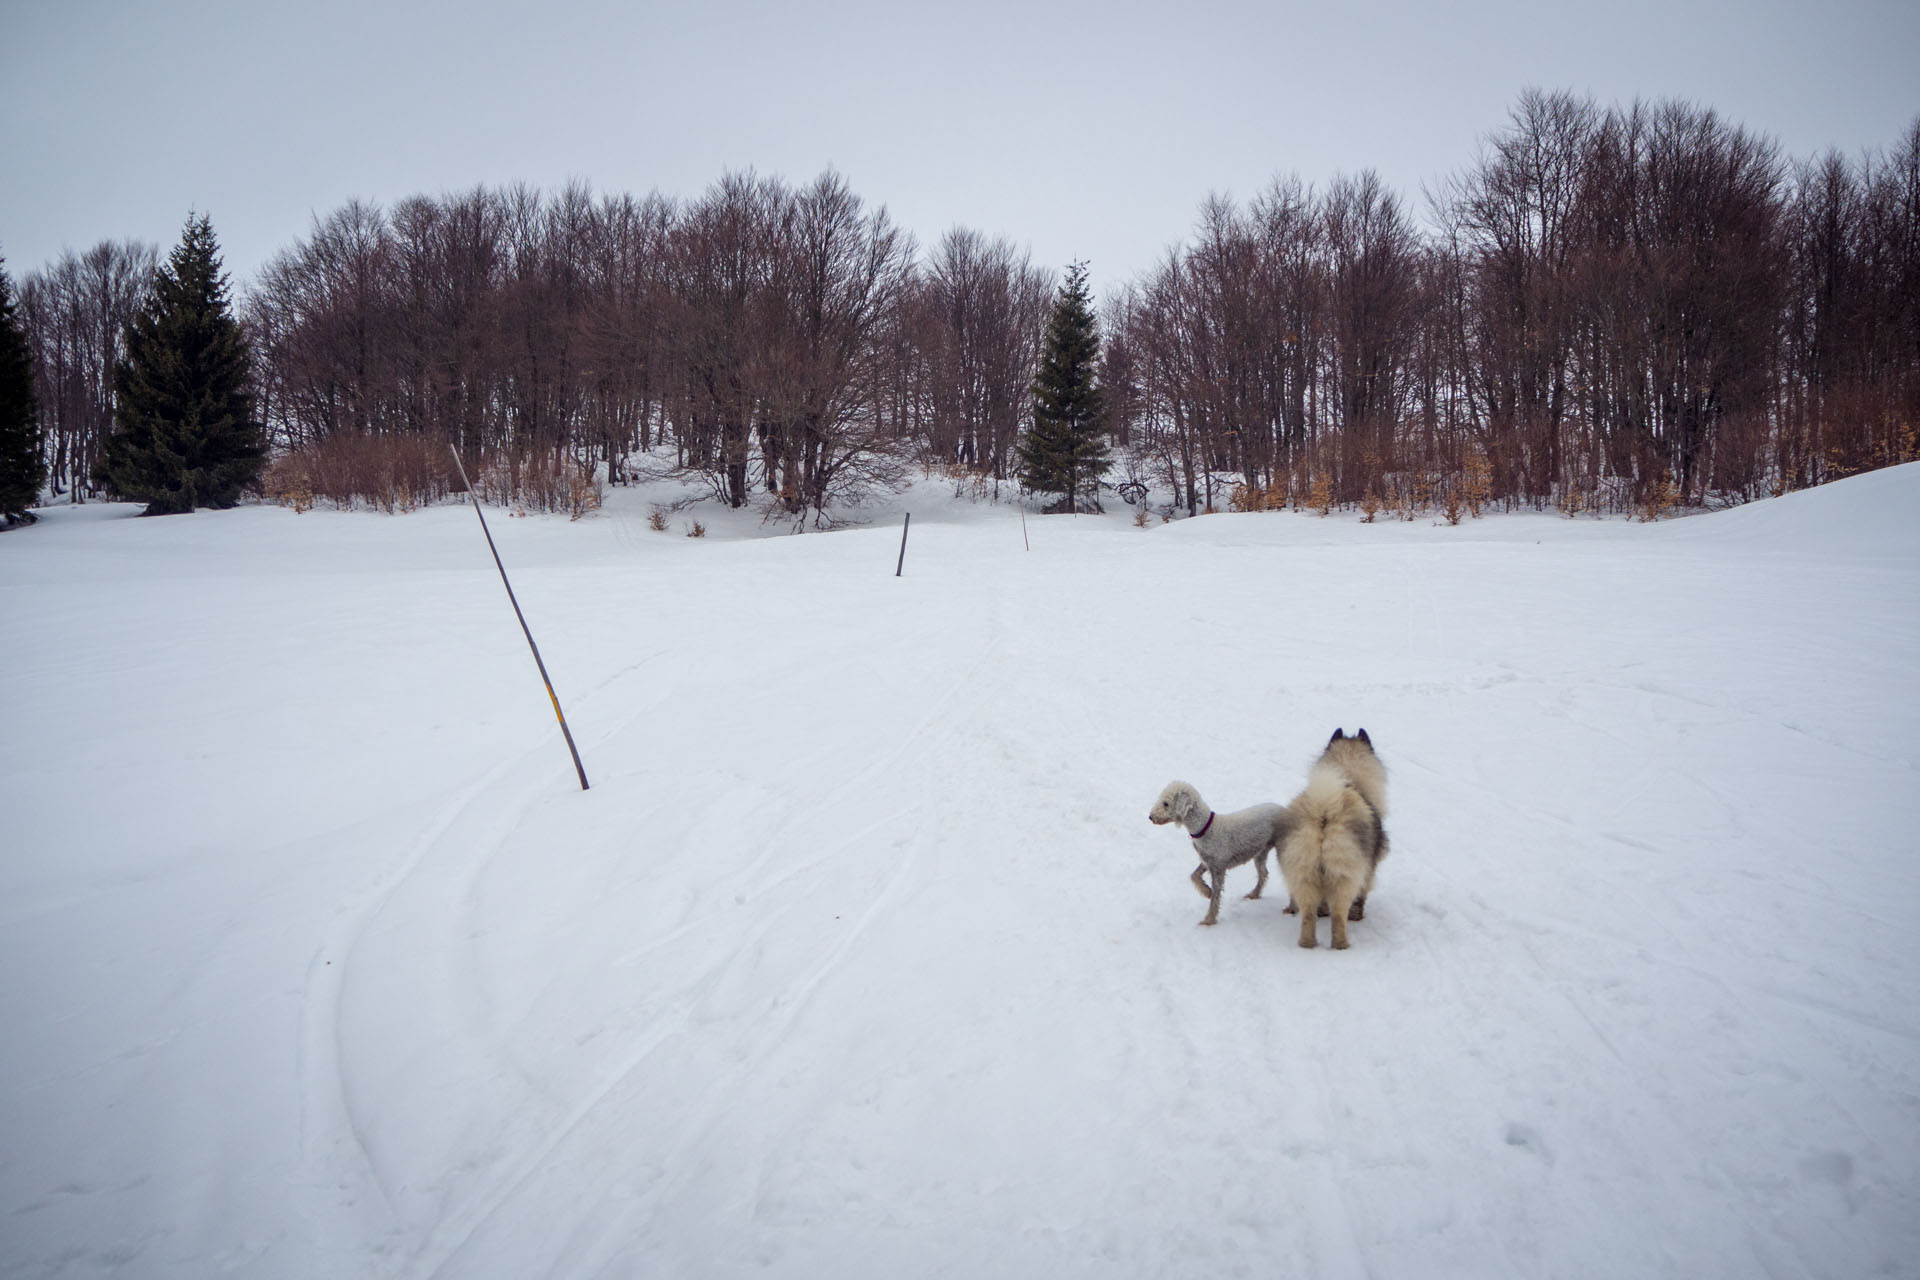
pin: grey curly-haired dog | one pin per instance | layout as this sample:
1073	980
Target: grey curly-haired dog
1336	837
1222	840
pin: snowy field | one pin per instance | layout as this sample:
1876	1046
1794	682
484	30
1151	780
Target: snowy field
861	959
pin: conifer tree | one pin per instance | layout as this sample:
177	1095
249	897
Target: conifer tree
23	466
185	435
1065	451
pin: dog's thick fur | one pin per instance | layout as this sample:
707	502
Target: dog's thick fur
1337	836
1231	839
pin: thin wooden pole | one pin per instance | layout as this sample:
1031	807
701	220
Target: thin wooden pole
524	629
904	526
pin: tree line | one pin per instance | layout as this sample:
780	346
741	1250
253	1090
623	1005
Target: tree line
1608	309
776	339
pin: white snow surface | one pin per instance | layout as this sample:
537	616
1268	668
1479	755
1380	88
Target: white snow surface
860	957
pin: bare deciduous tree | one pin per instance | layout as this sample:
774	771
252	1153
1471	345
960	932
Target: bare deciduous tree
76	313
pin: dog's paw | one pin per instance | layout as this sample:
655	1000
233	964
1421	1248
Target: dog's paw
1309	944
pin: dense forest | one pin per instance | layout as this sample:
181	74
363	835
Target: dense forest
1608	309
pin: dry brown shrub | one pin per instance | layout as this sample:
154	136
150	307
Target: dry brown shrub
1477	481
1258	497
544	480
1659	496
1416	495
289	483
402	473
1320	493
387	473
1578	493
583	494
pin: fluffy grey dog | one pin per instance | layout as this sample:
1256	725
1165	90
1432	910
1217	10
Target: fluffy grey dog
1222	840
1337	836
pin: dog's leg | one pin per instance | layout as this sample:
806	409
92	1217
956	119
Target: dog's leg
1213	899
1200	881
1293	908
1259	865
1342	909
1373	868
1309	923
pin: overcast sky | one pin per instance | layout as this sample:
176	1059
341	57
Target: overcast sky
1081	129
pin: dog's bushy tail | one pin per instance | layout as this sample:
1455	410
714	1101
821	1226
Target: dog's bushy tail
1326	798
1329	802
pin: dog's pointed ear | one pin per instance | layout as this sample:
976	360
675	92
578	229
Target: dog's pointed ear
1364	738
1337	735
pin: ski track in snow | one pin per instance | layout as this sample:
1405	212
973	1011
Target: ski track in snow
860	957
446	1254
331	1122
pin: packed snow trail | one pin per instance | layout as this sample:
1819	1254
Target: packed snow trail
861	958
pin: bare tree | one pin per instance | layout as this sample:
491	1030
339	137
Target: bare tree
1372	284
839	274
984	307
76	313
1517	218
722	258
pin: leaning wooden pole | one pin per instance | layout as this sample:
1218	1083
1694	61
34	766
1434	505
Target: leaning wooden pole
524	629
904	526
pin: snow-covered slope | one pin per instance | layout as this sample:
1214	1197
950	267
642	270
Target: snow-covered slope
861	959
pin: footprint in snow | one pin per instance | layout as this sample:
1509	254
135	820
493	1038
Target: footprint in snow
1527	1138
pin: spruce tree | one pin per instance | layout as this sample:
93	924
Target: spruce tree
1065	451
22	464
184	430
